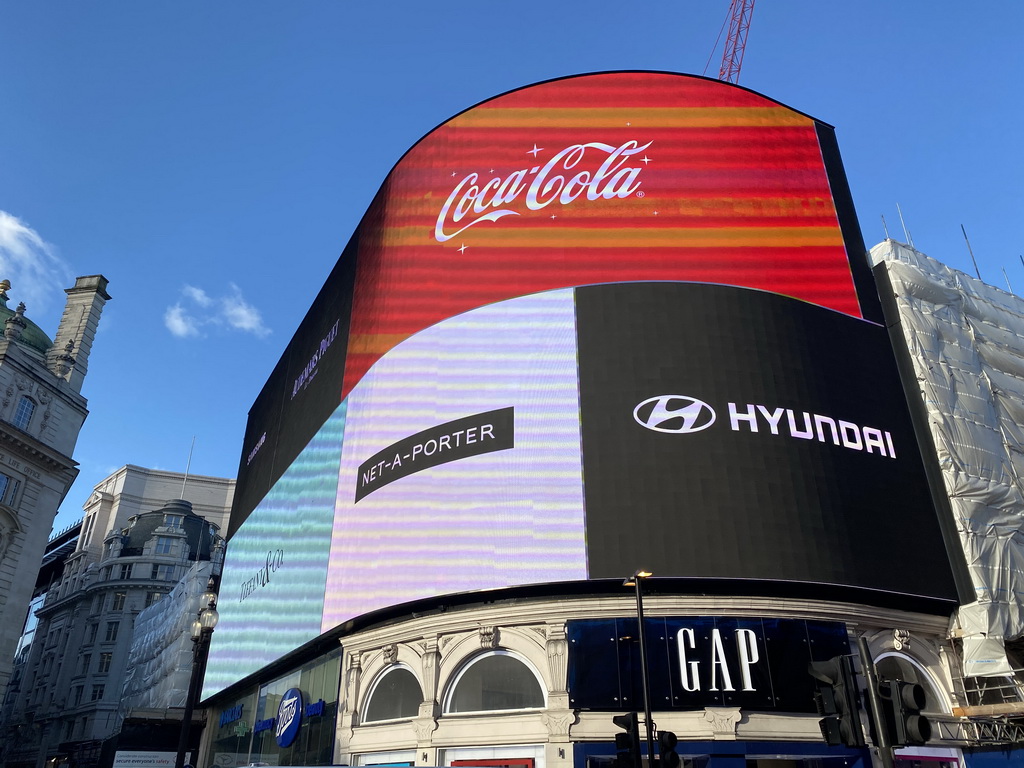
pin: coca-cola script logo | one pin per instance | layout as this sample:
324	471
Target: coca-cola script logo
551	182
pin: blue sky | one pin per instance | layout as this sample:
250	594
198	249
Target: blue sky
212	159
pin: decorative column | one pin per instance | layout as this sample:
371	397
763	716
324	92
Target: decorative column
430	709
558	718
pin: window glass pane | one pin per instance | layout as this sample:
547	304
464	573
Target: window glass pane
397	695
163	572
23	414
163	545
497	681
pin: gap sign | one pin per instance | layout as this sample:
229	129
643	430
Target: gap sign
697	662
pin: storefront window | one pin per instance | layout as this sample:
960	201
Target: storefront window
233	731
392	758
522	756
317	715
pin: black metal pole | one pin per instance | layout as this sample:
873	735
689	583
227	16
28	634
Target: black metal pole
885	753
190	700
643	672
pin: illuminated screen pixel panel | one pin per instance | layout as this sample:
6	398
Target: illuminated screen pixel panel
275	573
611	177
597	179
697	430
448	417
489	518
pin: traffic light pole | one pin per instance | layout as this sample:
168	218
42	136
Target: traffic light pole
885	753
644	673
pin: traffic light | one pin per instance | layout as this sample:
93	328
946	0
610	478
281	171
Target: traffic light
907	726
627	745
667	742
838	700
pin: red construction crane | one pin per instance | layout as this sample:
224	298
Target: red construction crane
739	25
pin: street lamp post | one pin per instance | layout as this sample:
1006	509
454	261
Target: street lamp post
202	628
635	581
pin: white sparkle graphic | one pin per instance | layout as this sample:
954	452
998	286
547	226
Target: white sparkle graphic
535	150
462	248
655	213
645	159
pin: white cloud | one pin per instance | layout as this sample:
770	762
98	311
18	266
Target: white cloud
197	308
37	274
198	295
240	314
180	324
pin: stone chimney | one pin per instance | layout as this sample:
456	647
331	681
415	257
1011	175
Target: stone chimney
78	329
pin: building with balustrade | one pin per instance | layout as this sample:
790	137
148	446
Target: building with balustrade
138	540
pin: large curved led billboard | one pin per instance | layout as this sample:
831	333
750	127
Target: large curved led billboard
596	323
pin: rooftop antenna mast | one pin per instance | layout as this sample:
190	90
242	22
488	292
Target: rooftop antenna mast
906	232
971	251
740	12
188	465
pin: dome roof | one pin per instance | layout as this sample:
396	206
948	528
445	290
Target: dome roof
199	535
31	335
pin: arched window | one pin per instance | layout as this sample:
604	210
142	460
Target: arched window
23	413
895	667
395	695
493	681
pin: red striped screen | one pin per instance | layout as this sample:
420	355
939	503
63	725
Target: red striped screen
594	179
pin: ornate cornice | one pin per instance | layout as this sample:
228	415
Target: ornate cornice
25	445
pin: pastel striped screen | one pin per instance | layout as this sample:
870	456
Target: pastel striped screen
268	611
493	520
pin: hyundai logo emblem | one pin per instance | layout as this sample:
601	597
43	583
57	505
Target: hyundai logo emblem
674	413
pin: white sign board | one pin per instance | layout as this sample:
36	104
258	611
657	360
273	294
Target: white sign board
133	759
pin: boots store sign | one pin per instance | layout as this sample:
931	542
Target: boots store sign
695	662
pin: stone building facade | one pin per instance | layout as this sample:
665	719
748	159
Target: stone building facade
65	696
41	413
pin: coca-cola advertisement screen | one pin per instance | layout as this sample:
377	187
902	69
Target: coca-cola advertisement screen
424	423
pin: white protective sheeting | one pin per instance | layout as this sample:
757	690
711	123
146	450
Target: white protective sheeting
985	657
966	340
160	657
